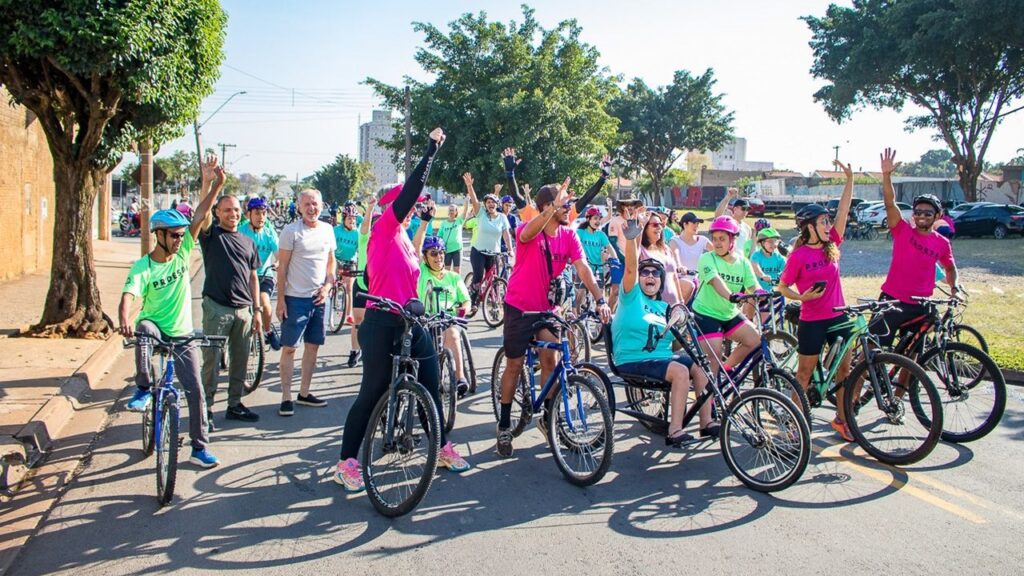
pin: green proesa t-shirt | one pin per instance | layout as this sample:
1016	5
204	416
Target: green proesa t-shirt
738	276
165	290
454	290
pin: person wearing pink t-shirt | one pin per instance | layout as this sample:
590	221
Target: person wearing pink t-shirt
915	252
392	271
811	276
544	247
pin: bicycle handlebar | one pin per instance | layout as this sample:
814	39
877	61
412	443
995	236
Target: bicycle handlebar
413	310
871	306
737	298
204	341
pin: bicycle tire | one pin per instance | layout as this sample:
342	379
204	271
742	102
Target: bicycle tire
334	317
786	383
410	488
869	422
493	303
653	403
771	425
957	423
343	296
783	346
595	374
522	405
254	366
468	365
579	342
446	388
167	451
974	337
149	430
580	435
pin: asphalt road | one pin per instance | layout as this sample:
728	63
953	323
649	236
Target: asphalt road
272	507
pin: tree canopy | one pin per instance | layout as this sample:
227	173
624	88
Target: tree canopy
933	164
516	84
960	61
341	179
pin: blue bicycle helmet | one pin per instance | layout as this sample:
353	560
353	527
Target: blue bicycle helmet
256	204
167	219
433	243
808	214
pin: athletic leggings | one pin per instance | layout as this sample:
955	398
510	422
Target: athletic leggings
380	337
480	265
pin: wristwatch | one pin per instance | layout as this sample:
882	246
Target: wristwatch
601	301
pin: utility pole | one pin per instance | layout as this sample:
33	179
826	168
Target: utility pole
836	148
408	134
224	152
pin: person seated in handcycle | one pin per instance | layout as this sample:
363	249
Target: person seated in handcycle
639	319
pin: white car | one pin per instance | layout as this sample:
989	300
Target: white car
875	215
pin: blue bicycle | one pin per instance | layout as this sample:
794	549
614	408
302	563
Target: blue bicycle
578	428
160	421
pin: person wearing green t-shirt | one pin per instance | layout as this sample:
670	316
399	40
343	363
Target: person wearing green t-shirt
442	290
161	278
642	313
722	273
346	236
450	232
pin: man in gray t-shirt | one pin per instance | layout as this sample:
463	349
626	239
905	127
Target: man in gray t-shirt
305	275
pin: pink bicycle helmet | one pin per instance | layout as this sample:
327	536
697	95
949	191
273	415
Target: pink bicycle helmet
725	224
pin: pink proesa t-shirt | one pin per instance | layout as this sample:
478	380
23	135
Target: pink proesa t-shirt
391	262
914	255
806	266
528	285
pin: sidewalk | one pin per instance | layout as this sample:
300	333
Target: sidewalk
50	389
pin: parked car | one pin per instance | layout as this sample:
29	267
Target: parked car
756	206
999	220
966	206
876	214
859	209
833	205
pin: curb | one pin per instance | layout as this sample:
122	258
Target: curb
1013	377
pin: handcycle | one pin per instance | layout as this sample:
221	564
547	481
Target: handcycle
877	391
578	428
492	289
403	438
764	436
436	325
970	384
160	421
337	309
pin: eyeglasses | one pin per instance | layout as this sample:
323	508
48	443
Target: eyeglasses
567	205
928	213
656	224
176	235
647	272
434	253
825	221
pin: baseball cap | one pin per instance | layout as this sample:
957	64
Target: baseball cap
690	217
546	195
740	203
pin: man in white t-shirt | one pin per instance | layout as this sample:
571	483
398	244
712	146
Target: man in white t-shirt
738	208
305	275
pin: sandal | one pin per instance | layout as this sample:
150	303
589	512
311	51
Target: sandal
678	438
711	431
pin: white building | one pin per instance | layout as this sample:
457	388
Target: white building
733	156
379	128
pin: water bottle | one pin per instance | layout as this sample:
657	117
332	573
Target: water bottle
832	351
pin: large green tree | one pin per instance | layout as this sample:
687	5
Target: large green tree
341	179
516	84
960	61
100	75
936	163
660	124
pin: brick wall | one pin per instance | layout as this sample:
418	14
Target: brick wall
26	193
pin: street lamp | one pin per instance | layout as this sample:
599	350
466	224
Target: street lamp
197	125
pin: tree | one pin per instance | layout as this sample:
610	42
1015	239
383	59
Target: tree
271	181
660	125
961	61
933	164
99	76
517	84
675	177
341	179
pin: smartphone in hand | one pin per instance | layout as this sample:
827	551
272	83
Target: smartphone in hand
819	286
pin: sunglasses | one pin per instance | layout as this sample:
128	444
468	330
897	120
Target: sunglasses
826	221
647	272
434	253
656	224
567	205
175	235
928	213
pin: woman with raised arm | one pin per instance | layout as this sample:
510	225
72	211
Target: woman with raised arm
653	246
491	229
392	271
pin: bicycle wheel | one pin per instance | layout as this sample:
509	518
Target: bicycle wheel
580	432
785	382
148	430
254	368
579	342
765	440
881	420
468	367
494	303
783	346
398	470
971	387
167	450
970	335
522	406
653	403
593	373
871	233
334	311
447	386
343	296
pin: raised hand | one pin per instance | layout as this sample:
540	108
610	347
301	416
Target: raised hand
220	176
527	189
437	135
563	193
209	168
468	179
497	189
508	156
846	168
606	165
888	158
732	192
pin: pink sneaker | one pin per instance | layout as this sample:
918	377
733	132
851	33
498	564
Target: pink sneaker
350	475
450	459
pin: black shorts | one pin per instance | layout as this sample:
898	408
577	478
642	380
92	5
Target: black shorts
267	284
895	319
358	298
715	328
654	369
812	335
453	258
518	331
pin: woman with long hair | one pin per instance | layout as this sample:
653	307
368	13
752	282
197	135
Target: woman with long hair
653	246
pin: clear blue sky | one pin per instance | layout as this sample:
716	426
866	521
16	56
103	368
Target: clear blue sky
302	64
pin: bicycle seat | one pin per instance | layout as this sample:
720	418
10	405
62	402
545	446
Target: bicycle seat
635	380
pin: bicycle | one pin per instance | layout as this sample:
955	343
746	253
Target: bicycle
963	372
337	309
492	289
403	440
764	436
436	325
860	231
579	424
876	390
257	351
160	421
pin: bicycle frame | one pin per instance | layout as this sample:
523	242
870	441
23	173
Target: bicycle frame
163	388
403	366
563	369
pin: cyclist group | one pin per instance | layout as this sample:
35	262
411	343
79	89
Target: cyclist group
649	259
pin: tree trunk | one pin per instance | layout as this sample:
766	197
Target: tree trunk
73	301
968	173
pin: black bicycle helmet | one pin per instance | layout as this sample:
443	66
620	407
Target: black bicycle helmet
657	265
808	214
929	199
